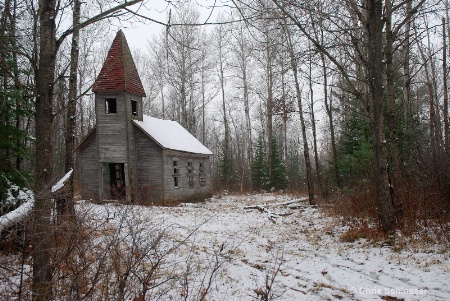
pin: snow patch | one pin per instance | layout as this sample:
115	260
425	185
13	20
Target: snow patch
61	182
24	196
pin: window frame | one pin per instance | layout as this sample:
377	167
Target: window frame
176	173
190	174
134	105
202	174
110	105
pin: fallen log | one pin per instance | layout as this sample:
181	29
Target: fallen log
16	216
273	216
19	214
293	204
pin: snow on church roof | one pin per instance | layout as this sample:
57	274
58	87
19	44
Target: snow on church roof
171	135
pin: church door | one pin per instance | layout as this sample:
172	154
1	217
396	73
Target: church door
117	177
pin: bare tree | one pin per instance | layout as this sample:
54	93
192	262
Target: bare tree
294	67
45	79
444	79
313	121
184	64
371	15
241	48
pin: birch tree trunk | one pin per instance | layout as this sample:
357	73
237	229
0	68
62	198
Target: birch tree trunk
226	148
328	101
313	124
309	175
269	103
248	125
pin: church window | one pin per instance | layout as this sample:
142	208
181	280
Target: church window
202	174
110	105
190	169
134	108
176	174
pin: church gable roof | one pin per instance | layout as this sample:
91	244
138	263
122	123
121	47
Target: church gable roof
171	135
90	135
119	73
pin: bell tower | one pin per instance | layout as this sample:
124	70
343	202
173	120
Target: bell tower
118	100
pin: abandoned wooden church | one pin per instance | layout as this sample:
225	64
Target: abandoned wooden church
133	157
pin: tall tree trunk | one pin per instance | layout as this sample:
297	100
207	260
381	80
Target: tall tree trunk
269	104
45	78
67	204
4	107
73	83
284	116
434	86
183	103
374	28
396	176
406	66
309	174
17	84
429	84
226	150
447	120
163	108
203	98
313	124
444	74
248	125
329	110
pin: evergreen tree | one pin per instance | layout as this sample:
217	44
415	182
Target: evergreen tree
15	109
260	169
278	179
226	167
294	173
355	154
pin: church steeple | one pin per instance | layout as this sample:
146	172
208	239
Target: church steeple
119	73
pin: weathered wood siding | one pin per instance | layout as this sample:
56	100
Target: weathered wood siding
105	181
112	128
184	192
88	169
149	169
115	138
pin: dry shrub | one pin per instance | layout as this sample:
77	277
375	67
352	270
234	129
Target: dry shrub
426	201
425	196
356	204
13	240
371	234
117	252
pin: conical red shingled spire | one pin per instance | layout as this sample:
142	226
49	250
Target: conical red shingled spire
119	72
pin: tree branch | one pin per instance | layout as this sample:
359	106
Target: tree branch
104	15
318	46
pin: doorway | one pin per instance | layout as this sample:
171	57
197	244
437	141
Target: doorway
117	180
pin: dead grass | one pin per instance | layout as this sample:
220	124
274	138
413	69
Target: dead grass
374	235
426	217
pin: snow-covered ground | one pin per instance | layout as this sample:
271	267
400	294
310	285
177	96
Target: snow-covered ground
300	257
